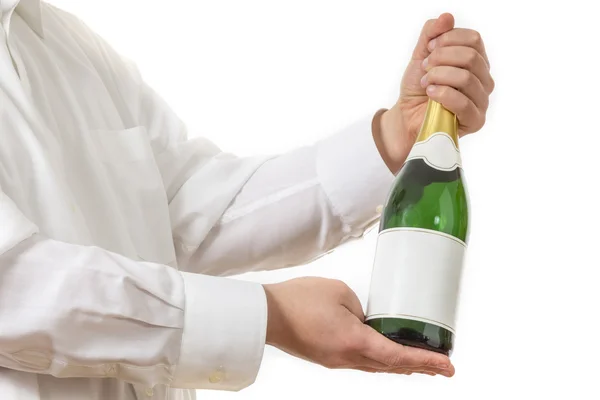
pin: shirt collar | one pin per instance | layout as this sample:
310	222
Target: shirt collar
31	12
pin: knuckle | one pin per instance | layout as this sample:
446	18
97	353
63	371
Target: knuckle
476	38
471	58
492	85
463	104
466	78
442	94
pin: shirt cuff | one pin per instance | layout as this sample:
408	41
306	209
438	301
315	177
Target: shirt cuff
354	176
224	333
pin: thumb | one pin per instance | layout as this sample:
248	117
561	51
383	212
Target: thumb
353	304
432	29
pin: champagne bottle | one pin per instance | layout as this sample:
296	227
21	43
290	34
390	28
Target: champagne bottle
422	240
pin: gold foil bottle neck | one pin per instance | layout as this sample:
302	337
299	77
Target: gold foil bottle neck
438	119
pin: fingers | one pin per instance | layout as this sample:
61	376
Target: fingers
463	57
375	366
460	79
432	28
460	37
368	365
470	117
458	76
380	349
457	71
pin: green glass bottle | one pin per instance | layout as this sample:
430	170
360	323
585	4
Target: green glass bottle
422	240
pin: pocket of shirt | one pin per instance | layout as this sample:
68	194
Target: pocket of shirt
138	188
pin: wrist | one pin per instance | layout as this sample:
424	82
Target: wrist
391	138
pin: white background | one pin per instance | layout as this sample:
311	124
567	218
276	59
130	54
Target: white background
267	76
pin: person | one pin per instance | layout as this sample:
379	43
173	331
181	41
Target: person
117	230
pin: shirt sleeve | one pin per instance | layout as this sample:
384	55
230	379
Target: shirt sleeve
232	215
80	311
296	207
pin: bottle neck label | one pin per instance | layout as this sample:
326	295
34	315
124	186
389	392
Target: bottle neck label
439	151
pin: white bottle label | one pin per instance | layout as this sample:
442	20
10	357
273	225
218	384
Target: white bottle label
438	151
416	275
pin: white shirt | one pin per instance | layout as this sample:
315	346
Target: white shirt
115	227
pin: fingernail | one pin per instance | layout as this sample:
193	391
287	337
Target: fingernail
431	89
424	63
424	80
431	45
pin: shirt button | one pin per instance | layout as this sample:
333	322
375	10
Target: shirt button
149	392
217	376
379	209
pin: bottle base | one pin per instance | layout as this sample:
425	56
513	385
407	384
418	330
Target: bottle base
416	334
403	340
